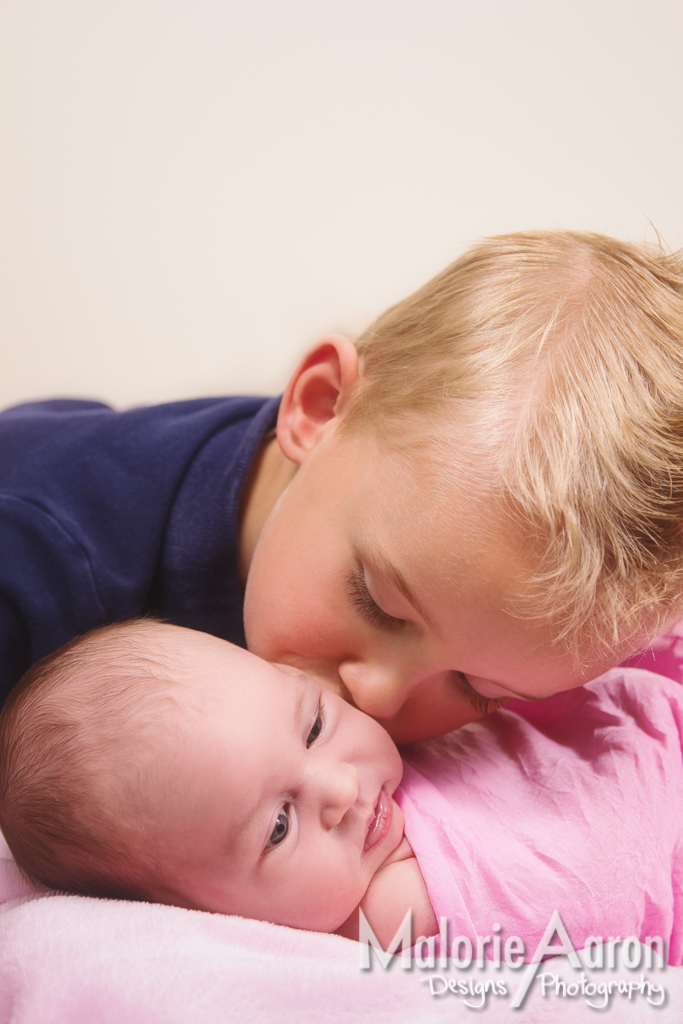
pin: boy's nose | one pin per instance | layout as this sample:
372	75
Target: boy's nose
339	792
378	690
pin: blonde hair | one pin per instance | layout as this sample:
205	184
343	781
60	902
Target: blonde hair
565	352
78	740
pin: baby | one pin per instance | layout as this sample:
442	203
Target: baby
152	762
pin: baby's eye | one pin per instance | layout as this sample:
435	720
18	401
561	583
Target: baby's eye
316	729
281	829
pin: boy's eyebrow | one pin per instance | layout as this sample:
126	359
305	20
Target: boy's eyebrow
390	572
385	568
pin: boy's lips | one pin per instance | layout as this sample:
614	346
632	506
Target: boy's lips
380	822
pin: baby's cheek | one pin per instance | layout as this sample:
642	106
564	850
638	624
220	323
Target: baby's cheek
332	897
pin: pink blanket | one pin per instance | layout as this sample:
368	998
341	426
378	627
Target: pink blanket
572	805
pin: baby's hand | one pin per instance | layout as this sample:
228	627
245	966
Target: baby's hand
395	888
402	852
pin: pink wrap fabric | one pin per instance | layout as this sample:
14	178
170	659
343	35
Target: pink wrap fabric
572	805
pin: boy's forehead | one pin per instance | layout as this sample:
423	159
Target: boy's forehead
429	476
409	510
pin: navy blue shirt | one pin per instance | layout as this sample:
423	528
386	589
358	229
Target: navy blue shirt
106	515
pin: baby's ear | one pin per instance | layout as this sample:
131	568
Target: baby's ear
316	394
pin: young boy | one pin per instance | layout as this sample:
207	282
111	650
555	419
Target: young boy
483	499
158	763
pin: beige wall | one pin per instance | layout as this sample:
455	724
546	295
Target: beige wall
192	190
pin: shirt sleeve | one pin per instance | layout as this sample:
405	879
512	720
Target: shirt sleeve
106	515
84	496
47	590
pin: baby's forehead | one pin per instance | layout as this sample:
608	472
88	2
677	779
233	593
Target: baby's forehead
144	667
208	670
162	649
119	673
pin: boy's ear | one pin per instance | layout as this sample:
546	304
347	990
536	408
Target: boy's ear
316	394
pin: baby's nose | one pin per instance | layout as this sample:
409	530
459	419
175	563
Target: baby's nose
340	792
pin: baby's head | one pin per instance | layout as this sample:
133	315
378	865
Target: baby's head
490	486
152	762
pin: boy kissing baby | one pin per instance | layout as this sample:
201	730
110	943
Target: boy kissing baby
480	498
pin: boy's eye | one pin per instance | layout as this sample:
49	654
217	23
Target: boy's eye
316	729
369	609
483	705
280	831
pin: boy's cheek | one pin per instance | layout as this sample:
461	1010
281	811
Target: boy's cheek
293	619
291	632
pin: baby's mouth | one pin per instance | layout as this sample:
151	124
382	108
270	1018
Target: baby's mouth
381	820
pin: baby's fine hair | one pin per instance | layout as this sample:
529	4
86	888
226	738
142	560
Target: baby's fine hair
78	738
556	358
